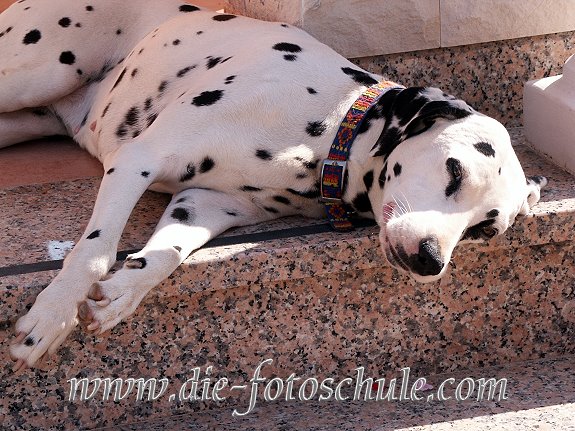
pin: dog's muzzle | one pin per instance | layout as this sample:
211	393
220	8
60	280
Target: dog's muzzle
426	262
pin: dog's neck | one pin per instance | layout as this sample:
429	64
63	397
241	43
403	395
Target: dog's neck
361	166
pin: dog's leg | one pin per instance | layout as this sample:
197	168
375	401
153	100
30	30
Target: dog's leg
28	124
193	217
54	313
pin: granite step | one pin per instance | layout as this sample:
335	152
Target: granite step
317	303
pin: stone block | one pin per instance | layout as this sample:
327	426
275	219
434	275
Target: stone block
465	22
356	28
549	116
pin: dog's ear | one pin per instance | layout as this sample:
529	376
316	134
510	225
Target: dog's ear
413	111
532	193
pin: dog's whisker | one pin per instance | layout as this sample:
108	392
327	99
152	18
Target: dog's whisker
407	202
399	206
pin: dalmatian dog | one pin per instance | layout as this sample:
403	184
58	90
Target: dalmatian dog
233	117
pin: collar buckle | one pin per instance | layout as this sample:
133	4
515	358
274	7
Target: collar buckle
333	174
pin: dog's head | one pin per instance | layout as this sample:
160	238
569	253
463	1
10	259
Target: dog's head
449	175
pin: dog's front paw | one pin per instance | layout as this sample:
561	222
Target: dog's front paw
43	328
107	305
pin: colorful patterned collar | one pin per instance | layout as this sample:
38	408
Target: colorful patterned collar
334	168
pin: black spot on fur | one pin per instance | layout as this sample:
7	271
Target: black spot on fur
163	86
65	22
365	124
397	170
29	341
230	79
83	123
223	17
368	180
311	90
282	200
151	118
32	37
485	149
188	8
121	131
177	248
189	174
181	214
315	128
492	214
206	165
79	72
537	179
145	174
181	73
94	234
40	112
307	194
231	213
287	47
199	32
271	210
213	61
311	165
207	98
110	171
134	73
179	201
381	178
284	25
359	76
89	8
140	260
148	104
100	75
176	42
499	171
290	57
119	78
78	24
361	203
263	154
132	116
250	189
140	51
106	110
119	31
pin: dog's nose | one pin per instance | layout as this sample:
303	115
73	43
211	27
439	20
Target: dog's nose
428	260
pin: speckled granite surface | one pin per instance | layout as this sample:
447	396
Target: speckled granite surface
319	305
490	76
541	396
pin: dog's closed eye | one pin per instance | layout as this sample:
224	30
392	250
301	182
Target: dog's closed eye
483	230
455	171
